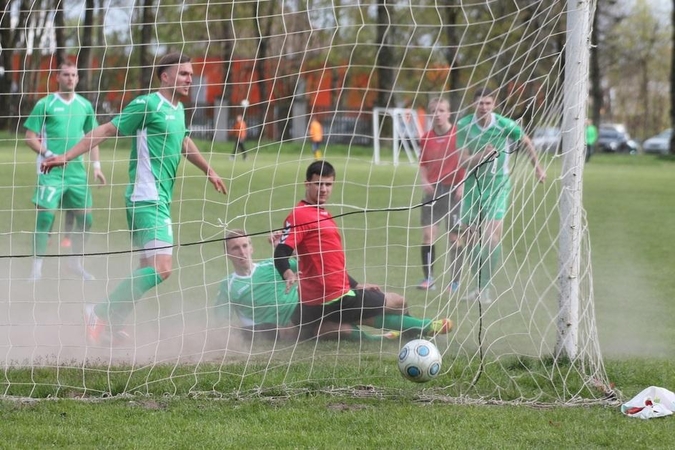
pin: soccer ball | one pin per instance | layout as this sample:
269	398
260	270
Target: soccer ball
244	103
419	360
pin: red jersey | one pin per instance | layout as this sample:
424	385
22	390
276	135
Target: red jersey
440	158
311	231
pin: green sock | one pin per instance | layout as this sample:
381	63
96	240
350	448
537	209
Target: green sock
490	262
43	225
121	300
398	322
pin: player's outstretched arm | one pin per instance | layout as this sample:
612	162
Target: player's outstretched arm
539	171
96	162
90	140
193	155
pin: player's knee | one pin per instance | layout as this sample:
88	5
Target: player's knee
164	272
44	221
394	302
83	221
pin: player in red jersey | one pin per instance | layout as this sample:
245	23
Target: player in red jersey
441	178
327	292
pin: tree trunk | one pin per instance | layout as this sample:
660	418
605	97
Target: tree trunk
453	38
59	33
84	60
594	71
6	40
145	61
385	75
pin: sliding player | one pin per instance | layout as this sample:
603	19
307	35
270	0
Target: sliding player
327	292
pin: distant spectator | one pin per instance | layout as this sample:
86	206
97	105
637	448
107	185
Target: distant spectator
591	138
316	136
239	134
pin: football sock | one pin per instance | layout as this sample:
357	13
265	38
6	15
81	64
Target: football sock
357	335
83	222
398	322
428	257
456	253
121	300
491	261
43	225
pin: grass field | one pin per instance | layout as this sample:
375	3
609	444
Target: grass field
631	213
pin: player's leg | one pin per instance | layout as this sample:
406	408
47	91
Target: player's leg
455	247
242	149
68	225
47	198
152	231
77	201
380	310
428	251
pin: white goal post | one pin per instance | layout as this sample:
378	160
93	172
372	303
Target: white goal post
405	133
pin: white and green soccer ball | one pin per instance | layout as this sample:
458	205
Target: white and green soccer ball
419	360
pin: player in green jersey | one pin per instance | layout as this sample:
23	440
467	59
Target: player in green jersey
259	297
484	139
157	124
56	123
257	294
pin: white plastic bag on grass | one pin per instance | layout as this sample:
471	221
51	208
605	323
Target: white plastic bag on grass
652	402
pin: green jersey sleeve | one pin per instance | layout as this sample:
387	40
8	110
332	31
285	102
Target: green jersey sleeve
132	117
37	117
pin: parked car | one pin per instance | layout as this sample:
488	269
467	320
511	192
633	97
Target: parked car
615	139
659	143
547	139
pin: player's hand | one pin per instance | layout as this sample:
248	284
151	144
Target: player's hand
458	192
540	173
369	287
291	278
55	161
274	238
100	177
217	182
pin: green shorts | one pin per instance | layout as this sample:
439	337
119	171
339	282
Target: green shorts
54	192
149	222
485	201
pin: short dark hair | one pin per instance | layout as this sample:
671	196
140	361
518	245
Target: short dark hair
321	168
168	60
484	92
67	63
233	234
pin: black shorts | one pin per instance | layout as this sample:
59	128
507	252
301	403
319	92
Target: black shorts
352	308
441	205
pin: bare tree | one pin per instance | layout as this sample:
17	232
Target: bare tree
85	59
147	27
59	33
385	73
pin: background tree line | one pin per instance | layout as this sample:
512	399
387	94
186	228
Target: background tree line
407	50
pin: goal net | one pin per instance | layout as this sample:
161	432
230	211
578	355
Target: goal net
365	72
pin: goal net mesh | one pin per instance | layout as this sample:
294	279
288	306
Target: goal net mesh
278	64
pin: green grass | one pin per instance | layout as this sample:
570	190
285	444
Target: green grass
351	395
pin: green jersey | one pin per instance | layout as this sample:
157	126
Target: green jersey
500	133
259	298
62	124
157	128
